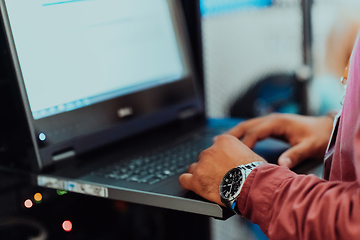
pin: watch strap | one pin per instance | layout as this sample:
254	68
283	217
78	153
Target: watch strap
247	169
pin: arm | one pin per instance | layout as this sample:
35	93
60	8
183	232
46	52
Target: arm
290	206
228	152
284	204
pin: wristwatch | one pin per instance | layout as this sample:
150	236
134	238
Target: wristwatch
232	183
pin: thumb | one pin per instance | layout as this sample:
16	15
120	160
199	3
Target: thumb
295	155
185	181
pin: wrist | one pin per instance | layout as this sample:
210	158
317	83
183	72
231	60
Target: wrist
232	183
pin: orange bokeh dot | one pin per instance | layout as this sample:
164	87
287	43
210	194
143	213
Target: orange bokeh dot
38	197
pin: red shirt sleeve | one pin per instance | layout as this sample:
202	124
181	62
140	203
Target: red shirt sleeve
290	206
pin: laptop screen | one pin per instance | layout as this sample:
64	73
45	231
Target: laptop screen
95	71
66	48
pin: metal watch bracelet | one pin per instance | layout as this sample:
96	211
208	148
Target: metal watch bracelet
247	169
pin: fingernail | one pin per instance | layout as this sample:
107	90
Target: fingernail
285	162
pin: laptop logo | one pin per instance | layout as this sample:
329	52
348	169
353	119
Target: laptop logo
125	112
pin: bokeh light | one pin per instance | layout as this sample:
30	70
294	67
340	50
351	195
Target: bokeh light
38	197
67	226
28	203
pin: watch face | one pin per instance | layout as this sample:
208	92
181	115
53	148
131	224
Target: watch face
230	185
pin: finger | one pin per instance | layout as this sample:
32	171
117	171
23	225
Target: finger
204	152
250	140
296	154
260	132
239	130
186	181
192	168
257	129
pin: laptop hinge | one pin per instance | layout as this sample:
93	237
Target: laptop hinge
64	155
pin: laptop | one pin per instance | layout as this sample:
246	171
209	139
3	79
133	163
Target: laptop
102	97
110	95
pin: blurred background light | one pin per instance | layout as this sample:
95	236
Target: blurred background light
67	226
38	197
211	7
61	192
28	203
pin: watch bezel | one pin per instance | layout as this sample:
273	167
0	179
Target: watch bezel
228	200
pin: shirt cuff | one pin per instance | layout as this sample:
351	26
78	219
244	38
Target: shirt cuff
256	195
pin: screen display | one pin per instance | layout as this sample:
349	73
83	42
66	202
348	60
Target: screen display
74	53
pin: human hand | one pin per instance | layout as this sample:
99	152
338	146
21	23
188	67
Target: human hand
204	176
308	136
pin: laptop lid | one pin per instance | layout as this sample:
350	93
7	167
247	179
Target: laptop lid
95	71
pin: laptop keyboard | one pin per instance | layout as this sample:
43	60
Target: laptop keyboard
159	164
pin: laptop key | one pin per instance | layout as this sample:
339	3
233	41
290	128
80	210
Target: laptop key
161	176
154	181
110	175
123	177
168	172
133	178
146	178
182	169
